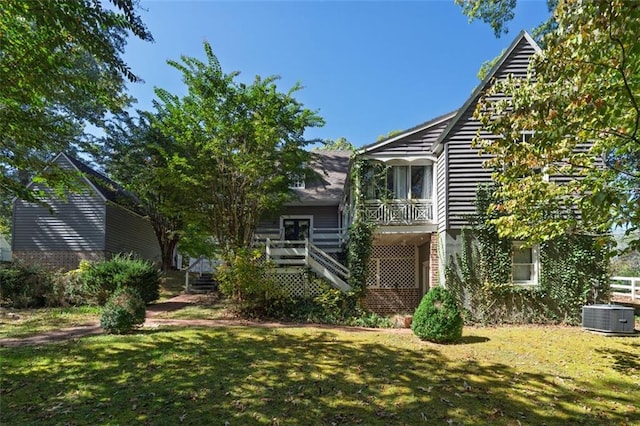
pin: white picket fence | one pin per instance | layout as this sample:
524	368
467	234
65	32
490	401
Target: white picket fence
627	287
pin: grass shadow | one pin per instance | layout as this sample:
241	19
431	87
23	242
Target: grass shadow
470	340
286	376
624	361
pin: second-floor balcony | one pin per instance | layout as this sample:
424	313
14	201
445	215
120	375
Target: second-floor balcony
399	211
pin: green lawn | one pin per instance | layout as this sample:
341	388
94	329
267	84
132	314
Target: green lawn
298	375
27	322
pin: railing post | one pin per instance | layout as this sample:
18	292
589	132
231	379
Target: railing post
186	281
267	249
306	251
633	289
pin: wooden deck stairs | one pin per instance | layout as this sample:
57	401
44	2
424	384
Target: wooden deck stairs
305	254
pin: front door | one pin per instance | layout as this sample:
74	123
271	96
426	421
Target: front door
296	229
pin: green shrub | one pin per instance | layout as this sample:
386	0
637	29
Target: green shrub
371	320
124	311
24	287
245	280
438	317
329	306
103	278
72	288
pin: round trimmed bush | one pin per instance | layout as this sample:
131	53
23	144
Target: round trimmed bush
101	279
124	311
438	317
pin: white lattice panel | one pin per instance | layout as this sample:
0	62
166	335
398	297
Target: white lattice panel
372	273
397	273
392	267
392	251
296	283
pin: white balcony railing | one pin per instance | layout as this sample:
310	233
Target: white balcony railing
399	212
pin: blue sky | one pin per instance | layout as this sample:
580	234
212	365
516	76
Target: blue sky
367	67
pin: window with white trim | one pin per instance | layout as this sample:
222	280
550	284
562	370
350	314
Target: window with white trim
524	264
410	182
297	182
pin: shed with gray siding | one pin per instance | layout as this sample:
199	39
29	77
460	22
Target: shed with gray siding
94	223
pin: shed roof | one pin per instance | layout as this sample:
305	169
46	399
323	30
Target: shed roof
106	187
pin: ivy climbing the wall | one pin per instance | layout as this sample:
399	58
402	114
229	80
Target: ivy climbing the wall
360	244
573	272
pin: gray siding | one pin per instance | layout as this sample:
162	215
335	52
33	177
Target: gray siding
323	216
465	167
77	223
127	232
415	144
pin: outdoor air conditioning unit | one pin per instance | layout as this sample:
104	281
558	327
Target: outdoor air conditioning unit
608	318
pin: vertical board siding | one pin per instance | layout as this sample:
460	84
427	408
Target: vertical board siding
464	165
76	223
126	232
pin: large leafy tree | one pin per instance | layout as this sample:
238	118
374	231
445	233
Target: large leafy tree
498	13
340	144
137	154
60	68
582	103
241	145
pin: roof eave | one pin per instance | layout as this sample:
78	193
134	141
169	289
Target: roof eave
405	133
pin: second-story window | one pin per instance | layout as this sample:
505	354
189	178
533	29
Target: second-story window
409	182
297	182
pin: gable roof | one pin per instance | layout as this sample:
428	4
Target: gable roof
406	133
522	37
106	188
326	185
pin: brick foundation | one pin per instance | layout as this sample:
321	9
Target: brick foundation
54	260
387	301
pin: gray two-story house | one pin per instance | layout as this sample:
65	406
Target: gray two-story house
419	189
422	192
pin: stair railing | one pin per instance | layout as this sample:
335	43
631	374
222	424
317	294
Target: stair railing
191	267
321	257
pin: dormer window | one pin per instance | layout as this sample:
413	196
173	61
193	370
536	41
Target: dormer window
297	182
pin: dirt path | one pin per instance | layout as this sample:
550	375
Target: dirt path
152	321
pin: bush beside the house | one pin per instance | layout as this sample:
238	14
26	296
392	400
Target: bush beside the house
244	279
101	279
123	311
438	317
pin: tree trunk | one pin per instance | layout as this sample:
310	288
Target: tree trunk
167	248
